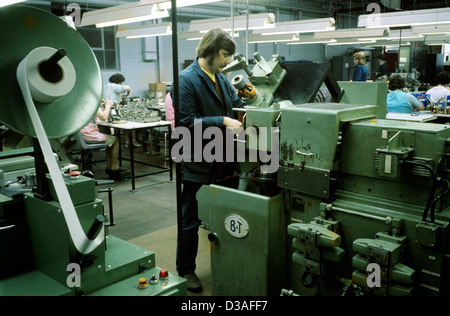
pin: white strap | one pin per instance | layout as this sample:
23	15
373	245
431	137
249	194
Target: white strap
83	244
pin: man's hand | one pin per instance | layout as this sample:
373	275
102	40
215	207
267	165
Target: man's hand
231	124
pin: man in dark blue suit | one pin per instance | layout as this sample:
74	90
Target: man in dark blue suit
207	100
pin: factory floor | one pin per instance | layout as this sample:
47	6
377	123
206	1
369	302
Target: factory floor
147	217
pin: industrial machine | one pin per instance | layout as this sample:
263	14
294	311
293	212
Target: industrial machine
356	206
54	236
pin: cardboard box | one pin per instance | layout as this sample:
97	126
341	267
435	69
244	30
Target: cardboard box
157	86
157	91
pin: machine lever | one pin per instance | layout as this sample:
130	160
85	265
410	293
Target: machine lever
50	70
7	227
212	237
304	154
96	227
57	56
85	260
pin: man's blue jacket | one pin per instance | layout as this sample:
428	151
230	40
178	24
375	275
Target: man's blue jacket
200	103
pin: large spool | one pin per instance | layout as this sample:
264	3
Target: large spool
24	29
52	88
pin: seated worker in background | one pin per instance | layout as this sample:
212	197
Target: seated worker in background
115	91
361	71
441	91
399	101
91	133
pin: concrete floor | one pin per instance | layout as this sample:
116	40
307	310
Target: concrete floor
147	217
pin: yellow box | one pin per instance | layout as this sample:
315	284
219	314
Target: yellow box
157	91
157	87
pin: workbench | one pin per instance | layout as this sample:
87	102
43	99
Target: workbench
130	126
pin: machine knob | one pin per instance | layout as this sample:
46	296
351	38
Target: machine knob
238	82
142	283
212	237
163	274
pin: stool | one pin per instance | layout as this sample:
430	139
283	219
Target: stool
86	149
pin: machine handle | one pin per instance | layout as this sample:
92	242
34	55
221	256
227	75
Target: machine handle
7	227
50	70
110	203
96	227
304	154
57	56
212	237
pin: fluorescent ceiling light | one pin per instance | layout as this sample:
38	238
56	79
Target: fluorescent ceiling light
165	5
196	35
190	36
255	21
123	14
386	43
259	38
351	42
405	18
437	39
439	43
302	26
309	39
430	29
395	35
404	34
354	32
145	31
4	3
397	38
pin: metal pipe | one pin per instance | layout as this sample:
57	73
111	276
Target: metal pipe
7	227
232	18
247	12
110	204
176	103
385	220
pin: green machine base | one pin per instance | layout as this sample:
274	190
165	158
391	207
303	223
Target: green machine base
122	260
40	258
172	286
247	243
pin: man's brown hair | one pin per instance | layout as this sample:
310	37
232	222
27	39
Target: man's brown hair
214	40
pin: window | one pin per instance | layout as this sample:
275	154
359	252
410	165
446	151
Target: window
103	44
101	40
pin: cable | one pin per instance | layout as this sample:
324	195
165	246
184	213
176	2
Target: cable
433	188
433	203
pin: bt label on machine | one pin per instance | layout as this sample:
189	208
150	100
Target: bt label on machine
236	226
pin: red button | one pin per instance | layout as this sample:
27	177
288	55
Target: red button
163	274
